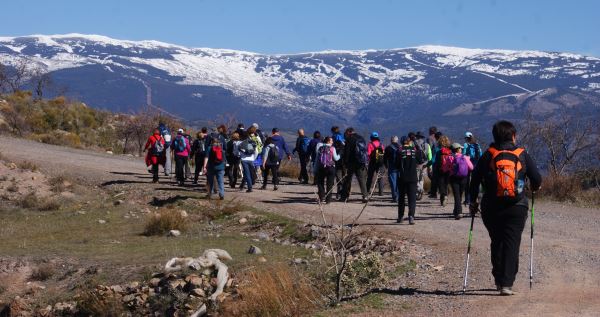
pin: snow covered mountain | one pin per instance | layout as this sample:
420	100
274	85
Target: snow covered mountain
406	87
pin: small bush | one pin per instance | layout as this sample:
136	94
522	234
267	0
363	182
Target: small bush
221	209
275	291
289	169
90	304
164	221
32	201
29	201
363	273
570	188
43	272
26	165
58	184
13	188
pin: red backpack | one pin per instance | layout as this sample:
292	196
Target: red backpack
447	160
216	152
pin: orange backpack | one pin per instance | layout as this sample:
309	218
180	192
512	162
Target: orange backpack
508	169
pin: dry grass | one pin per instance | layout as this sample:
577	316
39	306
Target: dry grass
289	169
32	201
26	165
220	209
164	221
90	304
59	184
43	272
275	291
570	188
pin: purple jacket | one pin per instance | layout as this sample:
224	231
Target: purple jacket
280	143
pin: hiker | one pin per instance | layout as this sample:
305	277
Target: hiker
443	165
259	133
240	128
188	168
166	134
409	159
375	153
247	150
432	141
504	204
312	149
355	161
156	153
280	142
390	161
198	152
473	150
258	160
326	159
181	149
214	168
435	149
458	177
270	163
421	144
340	170
303	154
233	159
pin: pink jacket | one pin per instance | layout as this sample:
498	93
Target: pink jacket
372	146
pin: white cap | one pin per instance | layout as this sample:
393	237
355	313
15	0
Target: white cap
180	131
255	125
468	135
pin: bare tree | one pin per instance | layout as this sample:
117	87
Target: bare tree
40	80
16	76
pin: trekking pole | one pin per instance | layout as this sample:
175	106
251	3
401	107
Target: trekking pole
468	253
531	248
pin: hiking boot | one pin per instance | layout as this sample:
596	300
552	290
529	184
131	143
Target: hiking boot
275	188
507	291
411	220
249	191
209	196
457	217
263	187
400	220
221	198
365	200
432	196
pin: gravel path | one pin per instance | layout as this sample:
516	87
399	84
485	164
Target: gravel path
567	250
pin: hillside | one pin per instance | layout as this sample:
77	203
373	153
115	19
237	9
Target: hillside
413	87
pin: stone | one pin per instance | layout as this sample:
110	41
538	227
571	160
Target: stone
133	285
177	284
128	298
64	307
254	250
198	292
194	281
183	213
438	268
263	236
174	233
101	221
262	259
243	221
119	202
116	288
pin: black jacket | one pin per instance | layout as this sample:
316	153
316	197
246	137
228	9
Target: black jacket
391	156
350	155
484	174
407	164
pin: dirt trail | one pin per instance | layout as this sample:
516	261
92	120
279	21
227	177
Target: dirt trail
567	250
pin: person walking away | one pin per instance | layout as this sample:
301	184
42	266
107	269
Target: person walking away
259	133
240	128
247	149
301	148
420	144
503	170
408	163
198	152
283	148
166	134
458	177
312	149
326	159
156	153
355	160
433	144
337	135
444	163
375	152
214	167
188	168
233	159
340	169
181	148
473	150
258	160
390	160
433	176
271	163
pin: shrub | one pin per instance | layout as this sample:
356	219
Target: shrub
570	188
58	184
43	272
289	169
221	209
275	291
91	304
164	221
32	201
26	165
363	273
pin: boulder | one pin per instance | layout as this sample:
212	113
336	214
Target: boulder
243	221
198	292
177	284
174	233
254	250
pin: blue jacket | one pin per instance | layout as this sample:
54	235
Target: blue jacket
280	143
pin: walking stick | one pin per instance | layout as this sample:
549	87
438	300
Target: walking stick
468	252
531	248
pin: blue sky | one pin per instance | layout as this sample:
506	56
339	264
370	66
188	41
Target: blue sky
282	26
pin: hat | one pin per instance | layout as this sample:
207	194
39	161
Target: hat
411	135
255	125
468	135
404	139
180	131
275	130
455	146
375	135
420	135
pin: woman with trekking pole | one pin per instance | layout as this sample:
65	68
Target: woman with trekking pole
502	170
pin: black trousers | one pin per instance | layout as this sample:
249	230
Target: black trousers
233	171
372	172
303	170
340	173
442	180
325	177
407	189
180	163
458	185
274	169
155	172
199	162
360	172
505	227
434	186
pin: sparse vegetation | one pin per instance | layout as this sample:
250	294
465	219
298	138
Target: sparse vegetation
43	272
32	201
89	304
363	273
161	222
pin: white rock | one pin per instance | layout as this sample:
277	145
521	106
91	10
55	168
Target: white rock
101	221
183	213
243	221
174	233
254	250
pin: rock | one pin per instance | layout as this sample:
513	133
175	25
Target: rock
263	236
119	202
194	281
45	312
243	221
154	282
109	152
11	166
174	233
438	268
116	289
64	307
128	298
198	292
297	261
262	259
133	286
81	212
101	221
68	195
254	250
177	284
183	213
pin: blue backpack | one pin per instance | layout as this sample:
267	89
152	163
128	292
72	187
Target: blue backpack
180	144
304	145
474	152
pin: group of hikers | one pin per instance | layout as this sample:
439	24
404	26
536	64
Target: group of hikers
338	158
